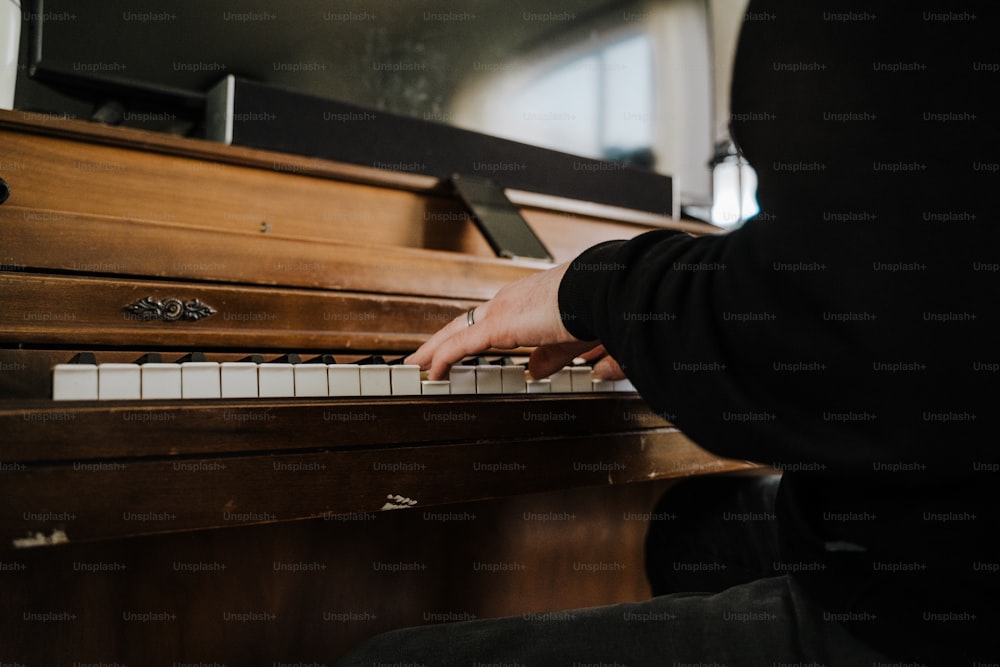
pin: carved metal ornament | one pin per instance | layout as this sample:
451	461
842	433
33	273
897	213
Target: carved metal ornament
169	310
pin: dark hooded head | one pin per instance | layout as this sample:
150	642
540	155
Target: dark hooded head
839	104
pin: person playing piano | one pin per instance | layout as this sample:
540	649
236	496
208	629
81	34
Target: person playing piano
846	337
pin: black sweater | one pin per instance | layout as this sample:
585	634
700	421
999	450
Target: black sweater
847	335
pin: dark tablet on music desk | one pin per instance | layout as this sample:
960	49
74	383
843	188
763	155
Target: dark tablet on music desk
501	223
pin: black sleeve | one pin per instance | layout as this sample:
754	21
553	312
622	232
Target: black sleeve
802	346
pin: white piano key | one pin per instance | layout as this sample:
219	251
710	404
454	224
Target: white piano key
405	380
488	380
311	380
463	379
119	381
581	379
275	380
602	385
561	382
200	379
344	379
161	381
239	379
624	385
512	380
543	386
375	380
435	387
74	382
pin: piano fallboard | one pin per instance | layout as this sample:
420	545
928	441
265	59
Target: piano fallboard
52	309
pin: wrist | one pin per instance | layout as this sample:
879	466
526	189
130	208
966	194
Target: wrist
582	281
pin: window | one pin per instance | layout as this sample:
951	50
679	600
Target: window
598	104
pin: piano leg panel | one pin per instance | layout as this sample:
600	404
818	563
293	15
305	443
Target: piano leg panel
306	591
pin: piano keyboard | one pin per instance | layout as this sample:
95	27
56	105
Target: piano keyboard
194	377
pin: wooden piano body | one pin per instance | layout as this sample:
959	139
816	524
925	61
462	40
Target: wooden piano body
251	531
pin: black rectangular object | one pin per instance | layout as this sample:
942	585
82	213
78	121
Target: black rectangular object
499	220
257	115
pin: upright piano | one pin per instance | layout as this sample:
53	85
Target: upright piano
253	529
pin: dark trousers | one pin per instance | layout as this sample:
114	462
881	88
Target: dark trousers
710	559
708	534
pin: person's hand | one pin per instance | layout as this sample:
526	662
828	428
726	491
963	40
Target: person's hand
522	314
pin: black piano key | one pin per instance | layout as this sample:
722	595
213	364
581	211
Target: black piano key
373	359
150	358
322	359
192	357
290	358
84	358
254	358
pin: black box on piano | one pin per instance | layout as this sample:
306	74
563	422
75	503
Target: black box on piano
257	115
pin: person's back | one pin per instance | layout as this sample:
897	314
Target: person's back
876	142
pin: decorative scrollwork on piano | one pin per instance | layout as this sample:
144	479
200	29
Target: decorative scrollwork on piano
169	310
